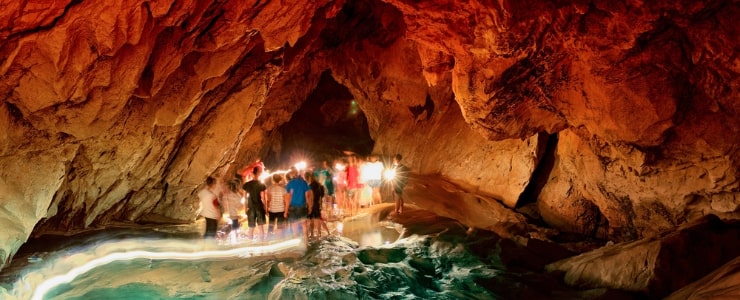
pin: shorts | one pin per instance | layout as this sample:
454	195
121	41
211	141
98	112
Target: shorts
374	183
329	188
211	227
255	217
296	213
277	218
316	213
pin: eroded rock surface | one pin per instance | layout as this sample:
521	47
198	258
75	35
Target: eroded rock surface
118	111
656	266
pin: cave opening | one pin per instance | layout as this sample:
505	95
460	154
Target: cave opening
329	124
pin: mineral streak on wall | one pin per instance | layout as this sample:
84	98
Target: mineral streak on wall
118	110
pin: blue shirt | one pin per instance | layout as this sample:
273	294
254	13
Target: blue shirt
297	187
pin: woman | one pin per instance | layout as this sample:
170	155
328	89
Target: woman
210	207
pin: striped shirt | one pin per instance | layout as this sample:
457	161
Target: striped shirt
277	195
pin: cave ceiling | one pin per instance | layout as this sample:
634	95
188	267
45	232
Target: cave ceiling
118	110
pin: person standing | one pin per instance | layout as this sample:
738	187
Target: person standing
353	185
297	212
341	186
210	207
277	200
400	180
314	207
255	206
233	202
372	174
325	177
246	172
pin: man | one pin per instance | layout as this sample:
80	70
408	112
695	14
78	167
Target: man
255	206
297	212
210	207
399	182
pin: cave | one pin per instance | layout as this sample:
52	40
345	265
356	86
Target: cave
557	149
328	126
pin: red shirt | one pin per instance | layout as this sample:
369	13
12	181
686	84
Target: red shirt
247	171
352	175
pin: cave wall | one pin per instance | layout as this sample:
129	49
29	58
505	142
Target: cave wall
120	110
645	95
623	194
423	123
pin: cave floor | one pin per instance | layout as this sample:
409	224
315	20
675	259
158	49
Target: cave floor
376	227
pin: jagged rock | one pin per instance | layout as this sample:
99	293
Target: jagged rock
656	266
619	192
127	107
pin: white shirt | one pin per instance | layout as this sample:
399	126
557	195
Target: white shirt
207	209
233	203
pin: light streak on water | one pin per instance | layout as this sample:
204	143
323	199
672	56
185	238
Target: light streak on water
155	254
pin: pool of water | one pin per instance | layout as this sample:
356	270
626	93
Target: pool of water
367	256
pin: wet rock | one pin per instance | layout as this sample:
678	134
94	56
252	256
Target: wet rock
279	270
381	255
121	106
658	265
720	284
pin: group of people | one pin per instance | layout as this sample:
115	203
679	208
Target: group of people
359	182
293	200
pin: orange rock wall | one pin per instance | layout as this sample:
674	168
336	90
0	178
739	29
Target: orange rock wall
118	111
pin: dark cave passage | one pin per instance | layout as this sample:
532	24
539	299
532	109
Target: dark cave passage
542	172
329	124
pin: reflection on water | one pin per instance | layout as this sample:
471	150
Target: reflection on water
363	259
76	274
368	232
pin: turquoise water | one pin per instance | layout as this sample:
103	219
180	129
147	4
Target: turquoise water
361	259
132	291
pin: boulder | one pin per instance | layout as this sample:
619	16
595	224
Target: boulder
659	265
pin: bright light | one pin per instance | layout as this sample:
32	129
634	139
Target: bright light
300	165
389	174
266	174
371	171
53	282
339	167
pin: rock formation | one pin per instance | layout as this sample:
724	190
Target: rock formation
616	120
655	266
